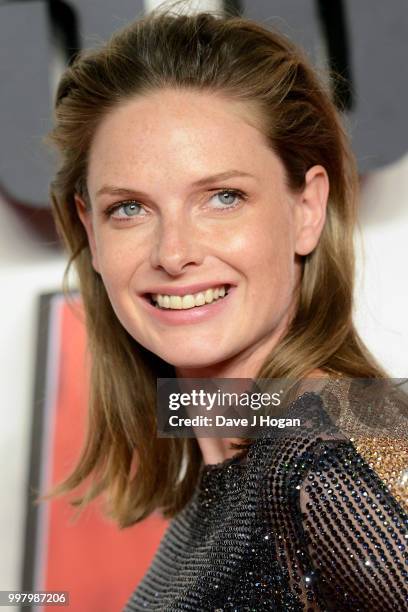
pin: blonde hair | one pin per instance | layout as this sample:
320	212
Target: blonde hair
239	58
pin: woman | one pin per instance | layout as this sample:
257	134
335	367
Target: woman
207	196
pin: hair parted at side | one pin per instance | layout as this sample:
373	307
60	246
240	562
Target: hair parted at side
242	60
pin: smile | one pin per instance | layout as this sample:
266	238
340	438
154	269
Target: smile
185	302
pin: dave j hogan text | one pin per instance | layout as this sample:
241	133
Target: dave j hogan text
257	420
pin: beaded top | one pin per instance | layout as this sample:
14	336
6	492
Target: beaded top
299	523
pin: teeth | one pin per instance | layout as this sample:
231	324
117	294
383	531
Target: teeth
187	301
209	296
199	299
177	302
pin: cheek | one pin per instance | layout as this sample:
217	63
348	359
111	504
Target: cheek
267	254
117	261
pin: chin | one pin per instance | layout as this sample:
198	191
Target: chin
189	361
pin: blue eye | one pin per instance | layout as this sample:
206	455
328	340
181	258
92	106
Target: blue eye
230	197
130	209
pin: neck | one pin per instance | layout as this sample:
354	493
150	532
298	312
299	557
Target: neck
245	365
216	450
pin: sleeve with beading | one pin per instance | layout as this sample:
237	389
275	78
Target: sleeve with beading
337	503
356	533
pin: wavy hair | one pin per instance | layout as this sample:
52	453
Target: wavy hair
245	61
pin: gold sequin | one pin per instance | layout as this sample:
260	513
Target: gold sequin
389	458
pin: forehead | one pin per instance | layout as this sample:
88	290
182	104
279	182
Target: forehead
185	132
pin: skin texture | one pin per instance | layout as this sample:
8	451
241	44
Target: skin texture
156	147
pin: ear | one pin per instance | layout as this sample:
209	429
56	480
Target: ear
310	212
85	214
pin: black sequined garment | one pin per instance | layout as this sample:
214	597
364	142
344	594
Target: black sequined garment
300	522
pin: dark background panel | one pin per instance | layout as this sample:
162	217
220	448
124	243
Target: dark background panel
35	39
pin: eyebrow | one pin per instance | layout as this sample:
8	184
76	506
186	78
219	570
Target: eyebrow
221	176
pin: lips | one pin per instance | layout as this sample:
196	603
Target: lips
189	316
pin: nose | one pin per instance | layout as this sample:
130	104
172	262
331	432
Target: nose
176	245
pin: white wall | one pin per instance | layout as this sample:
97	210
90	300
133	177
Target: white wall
188	6
27	269
382	285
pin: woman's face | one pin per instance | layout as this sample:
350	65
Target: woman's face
187	196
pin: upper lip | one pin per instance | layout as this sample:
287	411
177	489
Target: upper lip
186	289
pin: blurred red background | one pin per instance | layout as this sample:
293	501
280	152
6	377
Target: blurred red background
98	564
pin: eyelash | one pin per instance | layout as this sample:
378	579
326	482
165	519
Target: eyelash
236	192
